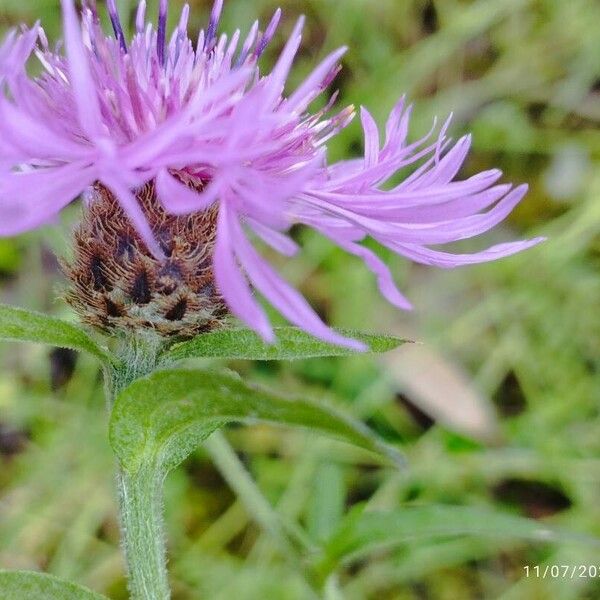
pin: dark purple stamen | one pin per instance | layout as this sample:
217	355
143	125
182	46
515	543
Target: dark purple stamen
247	45
116	23
91	5
269	33
162	31
215	15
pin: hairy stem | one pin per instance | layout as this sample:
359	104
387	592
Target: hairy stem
140	502
140	492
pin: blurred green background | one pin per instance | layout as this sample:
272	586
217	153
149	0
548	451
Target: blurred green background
497	405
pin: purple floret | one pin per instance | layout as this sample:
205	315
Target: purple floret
121	114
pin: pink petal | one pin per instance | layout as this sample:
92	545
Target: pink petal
435	213
151	145
280	72
299	100
385	281
277	240
371	138
231	283
84	88
283	297
269	33
140	17
393	121
135	213
248	42
389	233
399	198
179	199
28	200
34	138
446	260
446	169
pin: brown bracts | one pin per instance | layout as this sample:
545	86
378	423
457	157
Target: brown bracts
117	284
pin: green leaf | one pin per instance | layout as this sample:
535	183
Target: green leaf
292	344
164	416
28	585
363	532
28	326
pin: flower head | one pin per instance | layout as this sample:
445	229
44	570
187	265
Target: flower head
210	134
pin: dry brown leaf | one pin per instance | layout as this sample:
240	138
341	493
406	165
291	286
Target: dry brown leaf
442	390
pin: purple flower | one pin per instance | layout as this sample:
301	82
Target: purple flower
121	114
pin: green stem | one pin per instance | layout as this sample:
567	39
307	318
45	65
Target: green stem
236	475
140	501
247	491
140	492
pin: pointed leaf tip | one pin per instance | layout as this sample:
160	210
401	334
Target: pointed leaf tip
291	343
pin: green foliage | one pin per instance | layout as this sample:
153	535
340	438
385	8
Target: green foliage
292	344
164	416
363	532
28	585
522	75
28	326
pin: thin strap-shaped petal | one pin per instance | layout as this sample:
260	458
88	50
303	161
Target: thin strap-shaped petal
289	302
471	226
385	281
394	119
184	20
135	213
6	50
404	156
276	80
397	129
84	89
161	32
248	42
179	199
299	100
140	17
232	284
371	138
32	136
413	198
213	23
116	23
145	148
436	233
15	50
28	200
446	260
458	207
447	168
277	240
